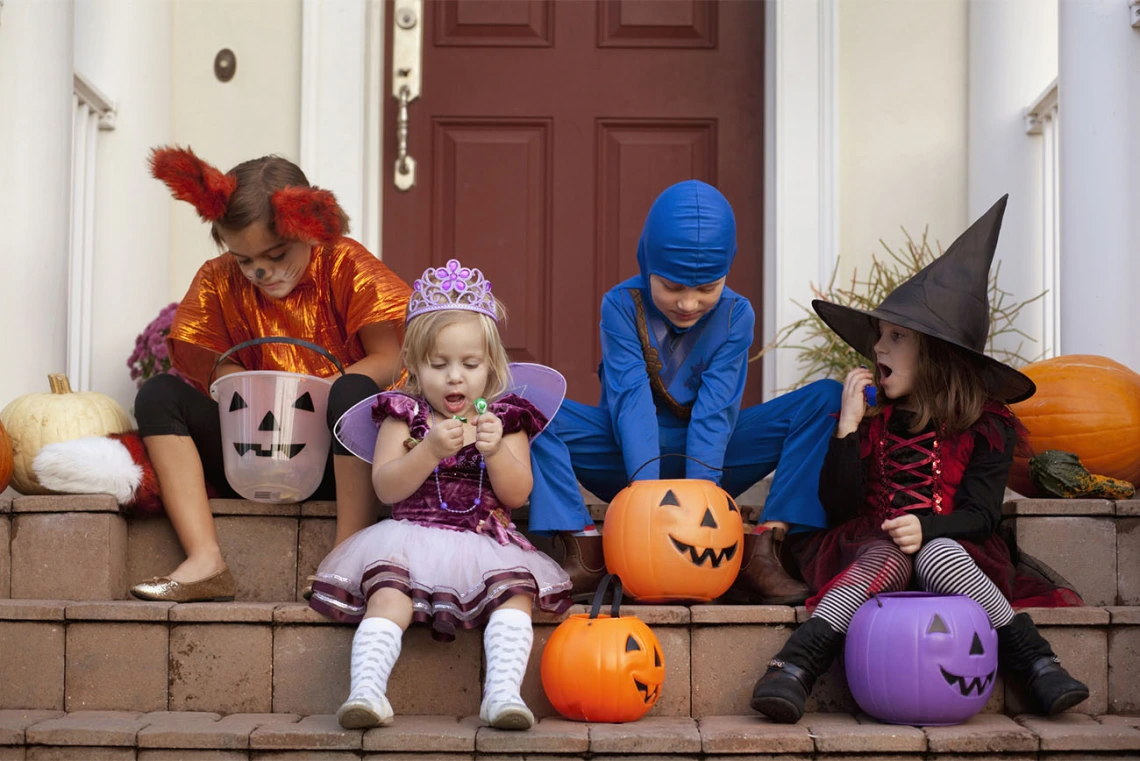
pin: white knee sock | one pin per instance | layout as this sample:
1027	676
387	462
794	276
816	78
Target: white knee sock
507	642
375	649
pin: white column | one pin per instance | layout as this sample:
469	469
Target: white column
1012	59
35	166
123	47
1100	171
342	96
801	170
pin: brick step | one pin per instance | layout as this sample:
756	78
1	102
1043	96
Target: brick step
285	658
186	736
1095	544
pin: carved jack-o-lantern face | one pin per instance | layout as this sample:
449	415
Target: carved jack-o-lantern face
275	433
603	669
921	658
269	422
673	540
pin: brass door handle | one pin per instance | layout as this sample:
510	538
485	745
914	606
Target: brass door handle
407	45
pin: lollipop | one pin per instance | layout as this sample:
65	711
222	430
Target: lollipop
480	408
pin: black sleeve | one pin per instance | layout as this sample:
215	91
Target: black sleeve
841	479
978	501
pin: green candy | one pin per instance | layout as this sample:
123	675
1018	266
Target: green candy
480	407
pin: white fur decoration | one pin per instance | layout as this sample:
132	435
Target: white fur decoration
91	465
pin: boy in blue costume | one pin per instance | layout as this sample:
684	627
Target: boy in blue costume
675	344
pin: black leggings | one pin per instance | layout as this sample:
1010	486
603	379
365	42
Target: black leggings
167	405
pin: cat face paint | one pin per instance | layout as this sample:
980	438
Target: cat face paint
271	263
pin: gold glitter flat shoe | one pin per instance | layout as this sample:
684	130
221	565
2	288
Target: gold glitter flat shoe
219	587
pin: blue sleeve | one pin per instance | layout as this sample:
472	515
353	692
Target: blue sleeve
630	400
718	400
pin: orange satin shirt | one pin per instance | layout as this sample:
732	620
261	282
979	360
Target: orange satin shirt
344	289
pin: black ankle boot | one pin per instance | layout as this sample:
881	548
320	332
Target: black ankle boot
781	692
1028	658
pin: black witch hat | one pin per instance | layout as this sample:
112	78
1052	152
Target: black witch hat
948	299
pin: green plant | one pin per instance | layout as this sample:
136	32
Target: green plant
823	354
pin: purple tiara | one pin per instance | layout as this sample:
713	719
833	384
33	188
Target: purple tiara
451	287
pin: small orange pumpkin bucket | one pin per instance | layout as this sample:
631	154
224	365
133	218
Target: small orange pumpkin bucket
606	668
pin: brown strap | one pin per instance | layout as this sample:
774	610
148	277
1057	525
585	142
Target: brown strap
653	363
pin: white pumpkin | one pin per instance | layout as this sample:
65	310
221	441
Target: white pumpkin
34	420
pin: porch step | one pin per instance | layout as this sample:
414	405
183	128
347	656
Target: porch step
83	548
284	658
187	736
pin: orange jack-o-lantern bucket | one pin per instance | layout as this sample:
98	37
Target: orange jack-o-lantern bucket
275	434
603	668
674	540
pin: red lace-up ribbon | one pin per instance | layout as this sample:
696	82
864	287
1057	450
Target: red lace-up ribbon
890	447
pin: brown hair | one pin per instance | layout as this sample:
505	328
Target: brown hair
257	181
949	387
419	338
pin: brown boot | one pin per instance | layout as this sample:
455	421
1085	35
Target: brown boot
762	579
584	563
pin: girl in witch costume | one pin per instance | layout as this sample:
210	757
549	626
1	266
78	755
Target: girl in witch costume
914	485
675	341
287	270
450	453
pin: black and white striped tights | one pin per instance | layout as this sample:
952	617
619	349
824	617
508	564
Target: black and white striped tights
942	566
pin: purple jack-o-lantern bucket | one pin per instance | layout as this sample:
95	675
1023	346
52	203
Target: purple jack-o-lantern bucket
920	658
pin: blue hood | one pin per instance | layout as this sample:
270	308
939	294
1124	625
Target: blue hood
689	236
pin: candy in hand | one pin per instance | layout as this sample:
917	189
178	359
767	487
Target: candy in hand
869	395
480	405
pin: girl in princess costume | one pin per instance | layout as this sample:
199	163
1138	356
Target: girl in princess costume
287	271
675	342
450	453
914	486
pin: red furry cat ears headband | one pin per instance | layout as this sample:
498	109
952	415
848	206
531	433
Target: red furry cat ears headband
299	213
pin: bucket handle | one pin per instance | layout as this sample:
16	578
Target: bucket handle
600	596
673	454
275	340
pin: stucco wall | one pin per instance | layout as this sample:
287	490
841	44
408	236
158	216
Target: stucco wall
254	114
902	123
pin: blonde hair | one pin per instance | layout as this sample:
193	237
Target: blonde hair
419	339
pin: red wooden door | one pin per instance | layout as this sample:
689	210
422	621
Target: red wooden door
542	135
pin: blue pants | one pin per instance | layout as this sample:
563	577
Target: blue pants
788	434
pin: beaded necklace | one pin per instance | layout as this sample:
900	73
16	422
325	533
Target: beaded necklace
439	493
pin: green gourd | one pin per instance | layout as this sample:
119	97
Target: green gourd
1061	474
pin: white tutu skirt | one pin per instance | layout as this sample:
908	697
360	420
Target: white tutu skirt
456	579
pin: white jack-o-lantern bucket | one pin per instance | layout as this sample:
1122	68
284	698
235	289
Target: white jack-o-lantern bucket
275	434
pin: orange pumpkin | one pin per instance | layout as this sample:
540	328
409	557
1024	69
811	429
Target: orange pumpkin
5	458
674	540
603	668
1087	405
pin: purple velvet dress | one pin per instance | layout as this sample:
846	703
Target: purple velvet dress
457	559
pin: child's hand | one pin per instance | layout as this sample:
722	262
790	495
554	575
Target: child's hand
906	532
488	434
445	438
854	406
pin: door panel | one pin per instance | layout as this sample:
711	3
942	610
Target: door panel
542	135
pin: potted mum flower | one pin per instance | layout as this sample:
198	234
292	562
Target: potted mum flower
150	356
